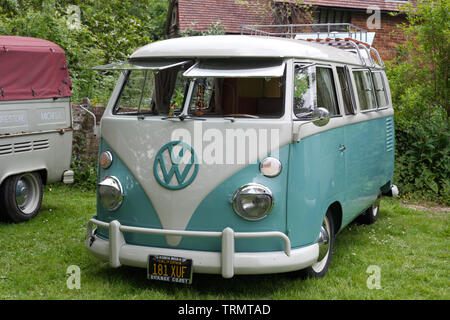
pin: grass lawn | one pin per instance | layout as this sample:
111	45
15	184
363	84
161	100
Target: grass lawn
411	248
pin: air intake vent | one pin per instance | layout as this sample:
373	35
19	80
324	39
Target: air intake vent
389	134
5	149
25	146
40	144
22	147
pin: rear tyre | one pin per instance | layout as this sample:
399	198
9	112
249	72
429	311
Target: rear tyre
326	245
370	216
21	196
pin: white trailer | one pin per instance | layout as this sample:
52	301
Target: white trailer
35	123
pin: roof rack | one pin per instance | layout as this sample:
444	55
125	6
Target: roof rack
344	36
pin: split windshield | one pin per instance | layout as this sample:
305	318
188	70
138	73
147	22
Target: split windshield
170	93
148	92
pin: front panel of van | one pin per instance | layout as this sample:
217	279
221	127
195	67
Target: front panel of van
204	205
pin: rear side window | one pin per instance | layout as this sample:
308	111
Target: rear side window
347	94
380	89
364	87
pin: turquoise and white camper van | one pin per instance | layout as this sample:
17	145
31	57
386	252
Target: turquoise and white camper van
240	154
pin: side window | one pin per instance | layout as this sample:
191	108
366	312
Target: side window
137	93
151	92
380	90
364	87
304	90
326	92
346	90
201	97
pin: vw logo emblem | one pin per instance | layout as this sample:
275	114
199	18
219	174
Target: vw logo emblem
175	165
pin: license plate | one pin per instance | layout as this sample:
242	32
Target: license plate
170	269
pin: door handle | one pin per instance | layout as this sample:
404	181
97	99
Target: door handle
342	148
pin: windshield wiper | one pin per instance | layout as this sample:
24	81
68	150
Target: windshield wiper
141	116
188	117
183	117
232	119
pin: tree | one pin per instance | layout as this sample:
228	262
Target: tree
423	61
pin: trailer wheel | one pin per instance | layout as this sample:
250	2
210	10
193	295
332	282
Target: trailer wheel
21	196
326	244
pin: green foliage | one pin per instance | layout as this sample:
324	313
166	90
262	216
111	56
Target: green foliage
109	31
85	170
423	159
84	165
419	84
214	29
280	12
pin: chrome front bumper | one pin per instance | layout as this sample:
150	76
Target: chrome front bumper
227	262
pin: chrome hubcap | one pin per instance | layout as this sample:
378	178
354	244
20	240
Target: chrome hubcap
376	206
22	191
27	193
324	243
324	246
375	211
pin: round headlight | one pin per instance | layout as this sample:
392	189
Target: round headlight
270	167
106	159
111	193
253	201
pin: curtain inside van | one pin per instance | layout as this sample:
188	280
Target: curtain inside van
164	86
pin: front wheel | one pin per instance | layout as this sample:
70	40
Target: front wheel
21	196
326	244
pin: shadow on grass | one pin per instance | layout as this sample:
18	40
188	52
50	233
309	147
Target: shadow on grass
204	286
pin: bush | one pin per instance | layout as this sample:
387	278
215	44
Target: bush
423	159
83	164
419	84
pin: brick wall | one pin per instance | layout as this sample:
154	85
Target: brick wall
232	15
85	143
386	38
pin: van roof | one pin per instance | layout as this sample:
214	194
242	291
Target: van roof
243	46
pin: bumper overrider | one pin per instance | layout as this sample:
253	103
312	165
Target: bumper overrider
227	262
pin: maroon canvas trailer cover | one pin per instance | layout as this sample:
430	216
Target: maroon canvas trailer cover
32	68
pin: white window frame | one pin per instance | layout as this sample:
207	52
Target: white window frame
357	93
348	75
381	73
315	65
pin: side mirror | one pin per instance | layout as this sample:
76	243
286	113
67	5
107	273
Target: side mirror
320	117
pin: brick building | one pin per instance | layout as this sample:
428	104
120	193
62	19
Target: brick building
200	14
